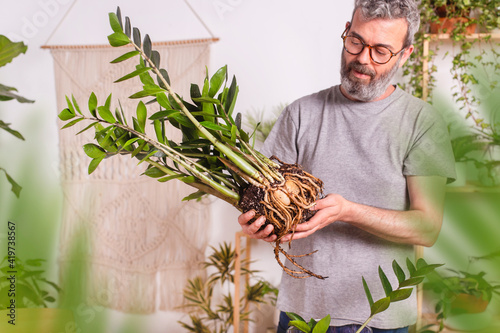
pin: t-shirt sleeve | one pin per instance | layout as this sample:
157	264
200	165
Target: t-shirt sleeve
281	141
431	153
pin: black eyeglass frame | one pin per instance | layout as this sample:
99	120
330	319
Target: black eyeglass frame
344	36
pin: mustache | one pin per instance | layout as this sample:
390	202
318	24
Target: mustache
358	67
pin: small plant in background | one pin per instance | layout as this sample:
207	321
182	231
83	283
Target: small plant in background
8	51
459	292
201	297
263	122
32	289
403	291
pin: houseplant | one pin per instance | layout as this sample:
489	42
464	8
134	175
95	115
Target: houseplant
417	274
8	51
215	155
206	314
458	293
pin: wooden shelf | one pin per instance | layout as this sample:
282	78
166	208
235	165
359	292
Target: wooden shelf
437	37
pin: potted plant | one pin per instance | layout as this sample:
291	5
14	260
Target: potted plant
200	294
458	293
452	15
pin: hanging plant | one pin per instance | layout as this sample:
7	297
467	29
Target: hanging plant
215	156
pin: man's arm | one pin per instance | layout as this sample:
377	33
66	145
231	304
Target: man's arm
420	225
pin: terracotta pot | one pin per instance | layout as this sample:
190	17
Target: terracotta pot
469	303
446	25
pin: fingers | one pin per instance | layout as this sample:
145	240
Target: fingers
254	229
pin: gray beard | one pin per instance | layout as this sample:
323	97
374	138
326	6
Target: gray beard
365	92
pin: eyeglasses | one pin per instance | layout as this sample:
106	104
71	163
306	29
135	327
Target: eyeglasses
379	54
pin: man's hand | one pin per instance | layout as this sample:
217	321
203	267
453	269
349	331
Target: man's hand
253	230
328	210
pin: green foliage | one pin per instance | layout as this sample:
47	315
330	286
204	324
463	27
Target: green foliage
200	293
401	292
215	155
8	51
486	16
32	289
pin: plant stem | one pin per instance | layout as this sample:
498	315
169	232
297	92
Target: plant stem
364	325
239	161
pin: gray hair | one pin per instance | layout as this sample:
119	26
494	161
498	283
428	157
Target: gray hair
392	9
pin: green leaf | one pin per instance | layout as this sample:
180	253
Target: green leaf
166	179
154	172
118	39
125	56
367	292
206	100
15	188
400	294
398	271
380	306
94	164
148	92
92	104
142	114
217	80
411	267
411	282
194	196
128	27
215	127
231	96
7	128
106	114
424	270
155	58
294	316
73	122
94	151
133	74
66	114
385	281
146	46
163	114
300	325
114	22
77	107
9	50
6	94
322	325
136	34
163	100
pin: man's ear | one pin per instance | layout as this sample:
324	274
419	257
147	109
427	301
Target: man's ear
347	25
406	54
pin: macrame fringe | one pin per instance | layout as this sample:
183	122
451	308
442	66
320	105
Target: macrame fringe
138	241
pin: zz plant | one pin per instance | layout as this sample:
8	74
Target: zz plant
402	291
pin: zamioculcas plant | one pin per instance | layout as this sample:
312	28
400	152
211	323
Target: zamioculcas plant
404	289
215	155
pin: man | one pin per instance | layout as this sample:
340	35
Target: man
384	157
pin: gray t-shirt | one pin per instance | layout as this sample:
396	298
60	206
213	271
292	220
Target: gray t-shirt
362	151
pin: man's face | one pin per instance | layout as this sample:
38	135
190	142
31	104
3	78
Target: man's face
361	78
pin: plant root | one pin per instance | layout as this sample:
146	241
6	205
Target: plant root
285	204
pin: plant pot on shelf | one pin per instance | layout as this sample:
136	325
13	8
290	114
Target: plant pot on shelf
447	24
466	303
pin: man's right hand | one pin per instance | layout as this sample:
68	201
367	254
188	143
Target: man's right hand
253	229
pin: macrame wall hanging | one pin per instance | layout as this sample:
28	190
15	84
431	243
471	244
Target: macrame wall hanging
140	241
